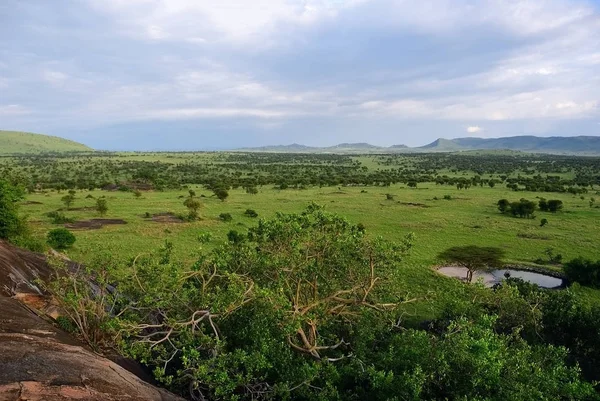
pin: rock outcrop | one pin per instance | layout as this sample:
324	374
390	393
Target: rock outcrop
38	361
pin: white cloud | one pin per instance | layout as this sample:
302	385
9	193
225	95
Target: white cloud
13	110
473	129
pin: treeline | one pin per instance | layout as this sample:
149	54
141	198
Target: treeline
233	170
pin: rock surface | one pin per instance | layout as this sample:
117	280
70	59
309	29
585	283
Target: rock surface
40	362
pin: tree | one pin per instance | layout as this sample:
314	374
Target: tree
252	190
11	225
60	238
584	271
474	258
68	200
221	193
503	205
554	205
101	206
193	205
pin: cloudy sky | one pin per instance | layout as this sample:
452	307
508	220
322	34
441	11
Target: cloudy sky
200	74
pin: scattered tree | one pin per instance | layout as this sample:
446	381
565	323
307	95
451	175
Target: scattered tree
101	206
193	205
474	258
221	193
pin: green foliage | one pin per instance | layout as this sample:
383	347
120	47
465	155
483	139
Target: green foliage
68	200
204	237
59	217
226	217
583	271
193	205
11	225
250	213
523	208
221	193
60	238
503	205
473	258
101	206
252	190
543	222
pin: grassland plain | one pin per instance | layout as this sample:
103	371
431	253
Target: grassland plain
469	217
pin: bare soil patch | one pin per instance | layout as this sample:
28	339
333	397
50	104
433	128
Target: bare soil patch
166	218
413	204
93	224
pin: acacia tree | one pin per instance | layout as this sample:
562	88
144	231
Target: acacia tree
473	258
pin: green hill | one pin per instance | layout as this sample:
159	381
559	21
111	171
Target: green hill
12	142
585	145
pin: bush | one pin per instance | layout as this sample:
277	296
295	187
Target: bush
60	238
250	213
204	238
389	197
447	197
583	271
543	222
58	217
226	217
11	225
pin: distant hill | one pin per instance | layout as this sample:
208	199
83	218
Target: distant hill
12	142
582	145
588	145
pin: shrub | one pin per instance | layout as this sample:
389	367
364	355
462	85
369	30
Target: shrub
11	225
204	237
60	238
543	222
59	218
226	217
447	197
584	271
389	197
250	213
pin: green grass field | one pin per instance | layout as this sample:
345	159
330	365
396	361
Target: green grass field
470	217
12	142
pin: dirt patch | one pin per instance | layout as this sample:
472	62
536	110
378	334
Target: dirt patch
413	204
31	203
166	218
533	236
93	224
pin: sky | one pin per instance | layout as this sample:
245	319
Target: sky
201	75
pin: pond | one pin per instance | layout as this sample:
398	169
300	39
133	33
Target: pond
496	276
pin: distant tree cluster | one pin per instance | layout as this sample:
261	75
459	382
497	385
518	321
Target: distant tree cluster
523	208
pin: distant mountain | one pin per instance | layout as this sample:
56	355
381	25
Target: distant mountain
12	142
584	145
557	144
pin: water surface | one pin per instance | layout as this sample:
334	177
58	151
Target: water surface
496	276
